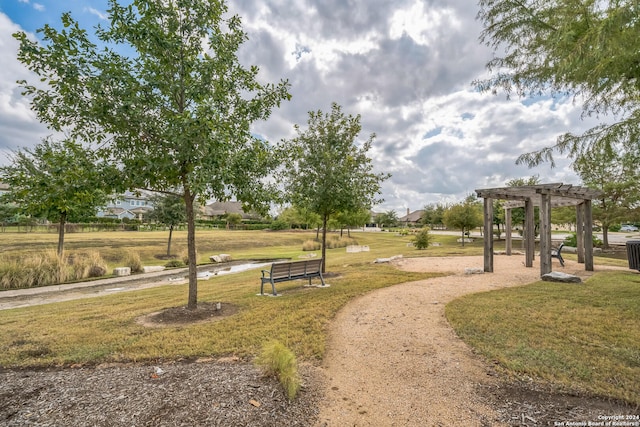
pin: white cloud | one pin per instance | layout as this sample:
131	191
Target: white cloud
405	66
39	7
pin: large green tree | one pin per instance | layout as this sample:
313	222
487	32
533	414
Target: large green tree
433	214
329	171
166	98
586	49
616	173
59	181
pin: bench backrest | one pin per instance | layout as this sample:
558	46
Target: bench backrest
296	268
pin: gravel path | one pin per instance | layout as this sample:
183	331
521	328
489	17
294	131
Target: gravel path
393	359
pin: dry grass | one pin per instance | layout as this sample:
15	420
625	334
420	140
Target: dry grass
584	337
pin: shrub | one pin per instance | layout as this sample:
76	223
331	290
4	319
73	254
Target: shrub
422	239
279	224
174	263
572	240
277	360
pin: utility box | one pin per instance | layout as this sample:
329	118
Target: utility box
633	254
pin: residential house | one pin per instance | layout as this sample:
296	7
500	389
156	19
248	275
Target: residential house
131	205
219	209
412	218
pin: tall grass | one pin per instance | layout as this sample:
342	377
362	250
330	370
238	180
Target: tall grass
49	268
277	360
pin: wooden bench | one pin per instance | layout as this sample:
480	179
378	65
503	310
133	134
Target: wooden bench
557	253
294	270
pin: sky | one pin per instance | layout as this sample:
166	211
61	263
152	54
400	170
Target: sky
405	66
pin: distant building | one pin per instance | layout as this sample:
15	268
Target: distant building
216	210
4	188
411	218
131	205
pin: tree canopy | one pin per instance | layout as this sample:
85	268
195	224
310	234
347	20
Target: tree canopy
57	180
465	215
164	97
329	172
616	173
585	49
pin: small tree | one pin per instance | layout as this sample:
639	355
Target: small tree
615	172
422	238
233	219
169	210
167	99
387	219
57	180
466	216
329	173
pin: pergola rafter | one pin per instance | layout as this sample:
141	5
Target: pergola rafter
544	196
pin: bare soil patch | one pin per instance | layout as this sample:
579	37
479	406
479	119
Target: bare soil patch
176	316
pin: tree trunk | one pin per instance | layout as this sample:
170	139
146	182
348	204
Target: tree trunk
63	221
605	237
463	237
169	243
325	219
191	251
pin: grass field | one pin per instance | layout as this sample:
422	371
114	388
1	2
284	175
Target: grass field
581	337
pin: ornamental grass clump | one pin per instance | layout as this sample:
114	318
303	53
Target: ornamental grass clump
277	360
311	245
132	260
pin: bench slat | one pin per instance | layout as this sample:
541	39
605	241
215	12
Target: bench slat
294	270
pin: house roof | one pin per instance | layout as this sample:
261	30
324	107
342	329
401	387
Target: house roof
414	216
223	208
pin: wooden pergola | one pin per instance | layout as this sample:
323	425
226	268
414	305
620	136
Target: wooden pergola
544	196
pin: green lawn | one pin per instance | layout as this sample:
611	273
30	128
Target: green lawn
583	337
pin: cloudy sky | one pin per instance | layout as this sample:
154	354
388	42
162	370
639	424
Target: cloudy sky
406	66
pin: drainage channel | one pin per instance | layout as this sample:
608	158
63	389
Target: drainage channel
57	293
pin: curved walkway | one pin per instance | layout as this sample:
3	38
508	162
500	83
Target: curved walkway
393	359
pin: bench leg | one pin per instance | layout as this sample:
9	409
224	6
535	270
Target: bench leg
273	288
322	280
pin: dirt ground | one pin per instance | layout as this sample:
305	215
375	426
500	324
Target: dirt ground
392	360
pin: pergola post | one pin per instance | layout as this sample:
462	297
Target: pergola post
529	234
545	233
545	196
507	231
580	232
488	235
588	236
